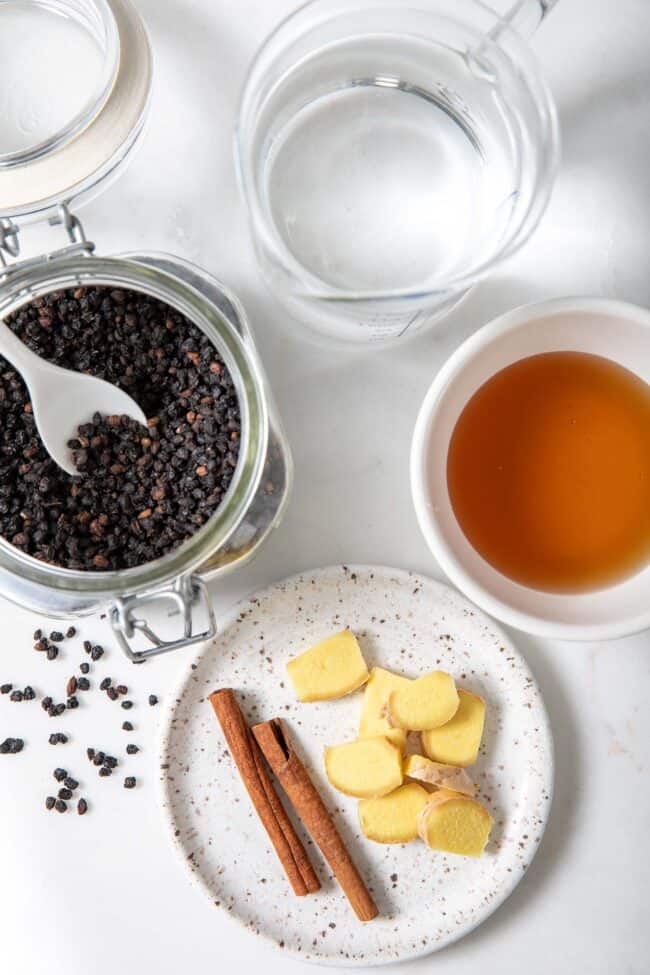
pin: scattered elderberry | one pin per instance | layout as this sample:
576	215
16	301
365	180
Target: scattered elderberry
11	746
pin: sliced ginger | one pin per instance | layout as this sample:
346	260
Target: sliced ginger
372	768
443	776
455	824
366	768
458	741
393	818
427	702
374	720
329	669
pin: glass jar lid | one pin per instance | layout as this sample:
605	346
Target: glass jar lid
75	79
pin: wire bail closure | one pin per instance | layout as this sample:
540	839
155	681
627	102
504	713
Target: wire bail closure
186	593
10	242
70	222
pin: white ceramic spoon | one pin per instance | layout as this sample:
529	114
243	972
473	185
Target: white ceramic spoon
63	399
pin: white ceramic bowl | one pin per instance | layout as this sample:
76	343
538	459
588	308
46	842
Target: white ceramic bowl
613	329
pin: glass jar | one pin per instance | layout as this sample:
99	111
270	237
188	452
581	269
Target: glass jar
259	490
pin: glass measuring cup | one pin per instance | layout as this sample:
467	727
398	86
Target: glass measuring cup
391	155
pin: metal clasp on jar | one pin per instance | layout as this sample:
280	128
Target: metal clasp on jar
10	242
186	596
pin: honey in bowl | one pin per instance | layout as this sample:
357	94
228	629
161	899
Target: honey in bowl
548	471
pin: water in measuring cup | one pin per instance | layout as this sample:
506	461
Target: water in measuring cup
49	66
382	185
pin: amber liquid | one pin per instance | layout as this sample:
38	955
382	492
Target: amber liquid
548	472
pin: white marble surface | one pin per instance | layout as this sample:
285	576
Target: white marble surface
105	893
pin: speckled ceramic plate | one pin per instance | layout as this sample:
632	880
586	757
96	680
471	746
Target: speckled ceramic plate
409	624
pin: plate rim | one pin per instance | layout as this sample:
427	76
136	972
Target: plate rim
229	617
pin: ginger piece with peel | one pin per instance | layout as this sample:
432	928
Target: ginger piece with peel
374	720
366	768
442	776
453	823
393	818
428	702
332	668
458	741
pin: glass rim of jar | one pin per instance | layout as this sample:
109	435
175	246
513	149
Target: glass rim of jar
308	285
22	288
97	97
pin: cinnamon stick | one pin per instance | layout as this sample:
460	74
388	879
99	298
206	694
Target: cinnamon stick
254	774
277	749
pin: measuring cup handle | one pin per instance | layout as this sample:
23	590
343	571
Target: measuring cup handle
525	16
